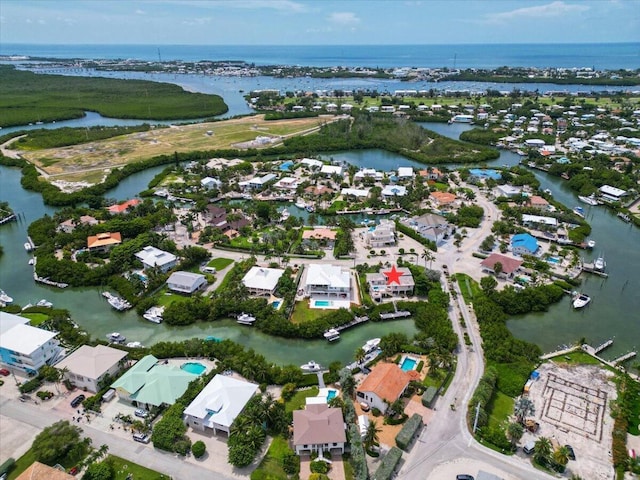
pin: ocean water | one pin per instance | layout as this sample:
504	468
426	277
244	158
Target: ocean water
608	56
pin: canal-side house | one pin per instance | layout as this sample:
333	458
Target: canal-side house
102	242
218	404
509	266
382	235
384	385
327	281
262	281
69	225
186	282
396	281
88	366
150	383
524	244
123	207
152	257
24	347
318	428
257	183
324	237
211	183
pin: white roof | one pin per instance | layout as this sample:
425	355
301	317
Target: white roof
25	339
221	401
394	191
331	169
185	279
356	192
329	275
405	172
9	320
539	219
311	162
155	257
210	180
613	191
262	278
92	362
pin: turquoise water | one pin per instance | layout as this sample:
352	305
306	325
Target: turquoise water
408	364
553	260
331	395
322	303
286	165
193	367
276	304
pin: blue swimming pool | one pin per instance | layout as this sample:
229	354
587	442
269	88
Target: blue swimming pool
331	394
408	364
193	367
276	304
322	303
553	260
286	165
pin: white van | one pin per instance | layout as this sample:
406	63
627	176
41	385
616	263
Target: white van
109	394
529	447
211	270
363	424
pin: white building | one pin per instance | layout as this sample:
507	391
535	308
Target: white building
262	281
329	170
89	366
392	191
383	235
257	183
25	347
355	192
210	183
154	257
368	173
186	282
325	280
507	191
218	404
311	163
405	172
287	183
528	220
612	193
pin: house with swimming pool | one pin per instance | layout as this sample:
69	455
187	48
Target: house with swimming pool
152	257
262	281
318	428
325	283
218	404
384	385
396	281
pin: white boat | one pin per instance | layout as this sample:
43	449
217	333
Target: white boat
118	303
116	337
310	208
579	211
311	366
154	314
246	319
4	298
135	345
580	300
521	153
332	334
284	215
600	264
624	217
371	345
591	243
31	261
44	303
28	247
590	200
547	191
462	119
301	204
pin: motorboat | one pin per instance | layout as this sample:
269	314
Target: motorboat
547	191
246	319
284	215
116	337
135	345
579	211
301	204
599	264
371	345
590	200
28	247
580	300
4	298
311	366
118	303
624	217
310	208
154	314
591	243
31	261
332	334
44	303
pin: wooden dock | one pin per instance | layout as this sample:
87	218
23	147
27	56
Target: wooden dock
355	321
624	358
590	268
603	346
8	219
400	314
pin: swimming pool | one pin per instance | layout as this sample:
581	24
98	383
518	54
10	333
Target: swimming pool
408	364
276	304
286	165
553	260
322	303
331	394
193	367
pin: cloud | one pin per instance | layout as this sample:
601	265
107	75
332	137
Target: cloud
197	21
550	10
140	12
344	19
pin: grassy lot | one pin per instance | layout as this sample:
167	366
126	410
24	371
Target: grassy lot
122	468
302	313
220	263
22	464
168	298
501	407
36	318
578	357
271	464
468	286
298	400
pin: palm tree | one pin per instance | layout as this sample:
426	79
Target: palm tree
427	256
360	355
561	456
514	432
371	439
542	448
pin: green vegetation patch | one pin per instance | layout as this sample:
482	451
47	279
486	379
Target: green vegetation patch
577	357
220	263
468	286
409	430
22	464
499	410
122	468
303	313
62	137
277	461
36	318
388	465
298	400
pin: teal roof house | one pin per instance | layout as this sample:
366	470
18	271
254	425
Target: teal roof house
524	244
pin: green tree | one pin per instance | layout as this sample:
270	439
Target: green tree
198	449
55	442
99	471
488	284
515	431
542	449
360	355
497	267
371	438
561	455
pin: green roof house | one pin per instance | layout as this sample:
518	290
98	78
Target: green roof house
150	383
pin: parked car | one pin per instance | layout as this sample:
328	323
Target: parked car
141	412
572	454
77	400
141	437
73	471
365	406
464	476
4	372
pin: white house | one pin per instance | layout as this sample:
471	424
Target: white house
392	191
396	281
262	281
612	193
368	173
383	235
210	183
311	163
355	192
405	172
25	347
89	366
325	280
218	404
329	170
318	428
186	282
507	191
152	257
287	183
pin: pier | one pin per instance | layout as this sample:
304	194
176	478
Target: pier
590	268
624	358
400	314
8	219
355	321
46	281
603	346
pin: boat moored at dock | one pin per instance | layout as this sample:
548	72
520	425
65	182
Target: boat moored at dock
332	334
246	319
580	300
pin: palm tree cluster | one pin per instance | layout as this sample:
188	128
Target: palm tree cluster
545	454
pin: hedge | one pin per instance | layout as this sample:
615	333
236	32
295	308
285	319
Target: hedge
388	465
30	385
7	466
411	427
358	459
429	396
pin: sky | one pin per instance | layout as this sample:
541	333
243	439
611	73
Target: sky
318	22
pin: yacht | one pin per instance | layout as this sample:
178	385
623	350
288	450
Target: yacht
580	300
44	303
28	247
135	345
332	334
284	215
624	217
310	208
301	204
548	191
246	319
154	314
590	200
116	337
311	366
371	345
591	243
4	298
118	303
579	211
600	264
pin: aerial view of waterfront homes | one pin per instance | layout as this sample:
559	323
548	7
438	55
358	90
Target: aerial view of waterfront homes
260	224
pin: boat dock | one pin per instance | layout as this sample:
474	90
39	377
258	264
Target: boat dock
355	321
603	346
391	315
624	358
590	268
8	219
46	281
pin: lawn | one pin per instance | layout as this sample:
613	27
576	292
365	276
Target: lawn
220	263
168	298
501	407
578	357
122	468
271	464
22	464
468	286
298	400
303	313
36	318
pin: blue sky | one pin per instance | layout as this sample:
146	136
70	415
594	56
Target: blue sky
317	22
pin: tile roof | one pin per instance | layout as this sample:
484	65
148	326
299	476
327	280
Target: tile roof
318	424
104	239
121	207
387	381
92	362
40	471
509	264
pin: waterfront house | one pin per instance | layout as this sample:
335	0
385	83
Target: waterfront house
325	237
538	221
329	170
405	172
210	183
262	281
186	282
69	225
443	199
355	192
507	191
318	190
218	404
286	183
524	244
510	266
318	428
382	235
368	173
88	367
392	282
103	241
384	385
392	191
152	257
612	193
257	183
150	383
311	163
122	207
25	347
536	201
327	281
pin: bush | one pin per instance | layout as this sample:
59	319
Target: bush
319	466
420	366
44	395
409	430
288	391
30	385
291	463
198	449
376	412
7	466
389	464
